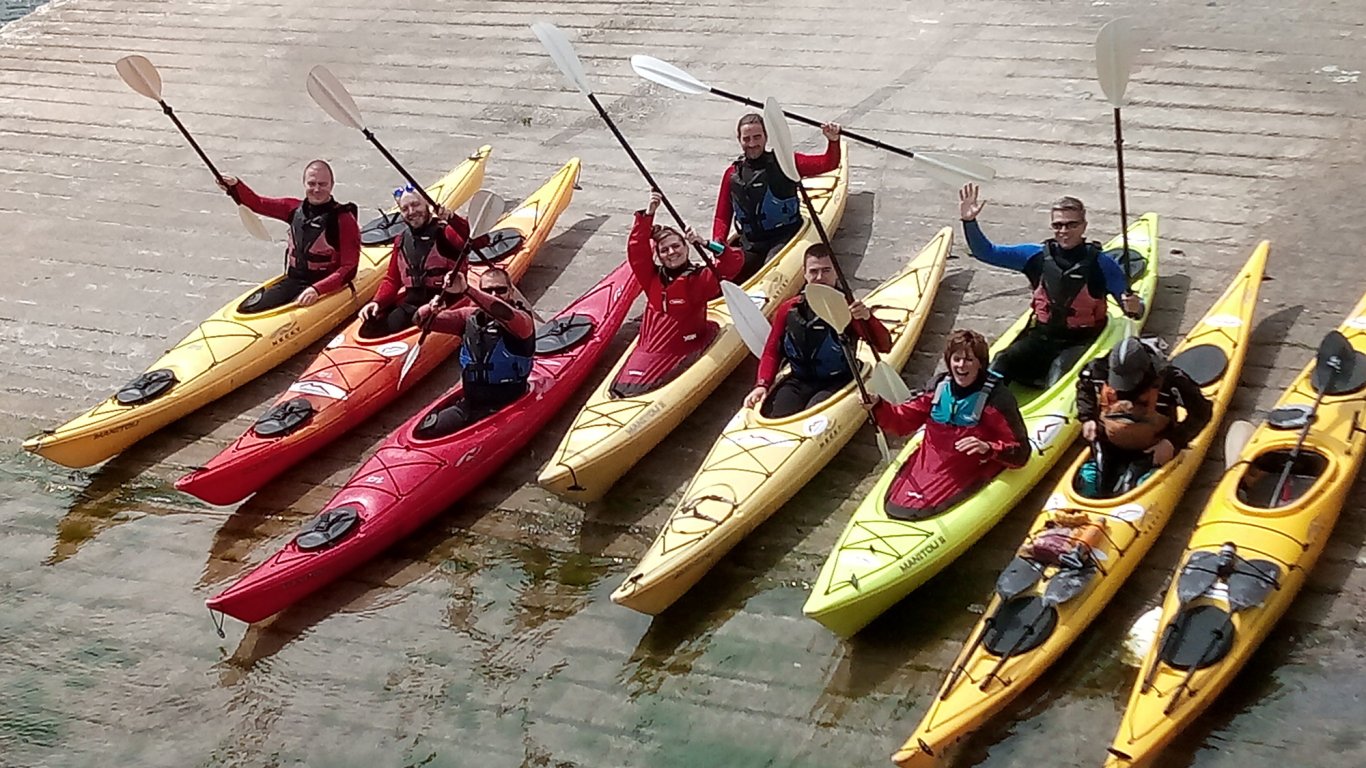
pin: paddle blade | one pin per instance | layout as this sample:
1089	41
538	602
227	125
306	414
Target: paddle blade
1019	575
882	447
1141	636
749	321
1116	49
1239	432
886	383
1251	582
408	363
140	75
829	305
1199	573
333	97
485	209
780	138
1066	584
667	75
954	170
1335	363
252	223
562	53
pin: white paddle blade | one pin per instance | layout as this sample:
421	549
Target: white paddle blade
829	305
408	363
667	75
887	384
562	53
1141	637
485	209
333	97
954	170
780	138
140	75
252	223
882	446
1116	49
1239	432
749	321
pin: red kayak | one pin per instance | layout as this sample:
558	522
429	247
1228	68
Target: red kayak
409	480
357	375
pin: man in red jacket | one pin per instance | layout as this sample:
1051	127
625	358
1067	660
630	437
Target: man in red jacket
323	249
763	203
424	252
675	329
810	347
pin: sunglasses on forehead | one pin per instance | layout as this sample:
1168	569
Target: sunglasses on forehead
403	190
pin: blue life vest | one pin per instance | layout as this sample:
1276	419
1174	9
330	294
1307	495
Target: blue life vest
954	411
489	355
812	347
763	199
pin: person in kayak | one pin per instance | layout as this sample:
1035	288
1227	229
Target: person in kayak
1127	405
498	341
323	249
1070	278
424	252
763	203
973	431
674	330
810	347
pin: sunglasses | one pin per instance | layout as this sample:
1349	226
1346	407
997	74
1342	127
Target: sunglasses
1061	225
496	290
404	189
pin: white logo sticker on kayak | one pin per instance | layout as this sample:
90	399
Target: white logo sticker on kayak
1357	322
1224	321
1045	431
758	438
759	297
336	341
318	389
816	425
1056	501
393	348
1131	513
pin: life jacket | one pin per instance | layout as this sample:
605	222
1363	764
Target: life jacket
1070	297
1136	424
763	198
812	347
311	250
423	261
491	356
958	412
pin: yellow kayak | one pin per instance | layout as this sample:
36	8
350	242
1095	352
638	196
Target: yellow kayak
758	463
611	433
1247	558
228	350
1038	609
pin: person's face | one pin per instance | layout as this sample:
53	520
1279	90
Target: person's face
414	209
673	252
317	184
820	271
1069	228
753	140
495	284
964	366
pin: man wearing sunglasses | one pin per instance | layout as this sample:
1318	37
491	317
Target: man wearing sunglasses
424	252
1070	278
497	343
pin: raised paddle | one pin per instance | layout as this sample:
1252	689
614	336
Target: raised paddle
1115	52
143	77
830	306
890	385
485	209
1334	365
951	169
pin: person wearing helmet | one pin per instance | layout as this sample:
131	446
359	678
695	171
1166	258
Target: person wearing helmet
1127	405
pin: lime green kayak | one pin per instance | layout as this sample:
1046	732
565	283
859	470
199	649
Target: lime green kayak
879	559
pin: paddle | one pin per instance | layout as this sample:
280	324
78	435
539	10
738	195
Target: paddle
952	169
1239	432
1335	360
143	77
830	306
485	209
1115	52
890	385
751	324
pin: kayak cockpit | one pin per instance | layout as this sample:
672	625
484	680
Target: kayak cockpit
1281	477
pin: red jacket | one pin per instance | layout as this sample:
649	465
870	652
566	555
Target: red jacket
348	232
675	313
871	331
388	293
807	165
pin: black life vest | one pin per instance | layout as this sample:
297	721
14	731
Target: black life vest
763	199
424	260
311	251
812	347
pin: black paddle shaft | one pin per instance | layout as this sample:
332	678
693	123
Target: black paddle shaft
171	114
399	167
817	124
1123	201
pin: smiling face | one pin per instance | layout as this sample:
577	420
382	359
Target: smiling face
964	366
1069	222
753	139
317	183
414	209
671	249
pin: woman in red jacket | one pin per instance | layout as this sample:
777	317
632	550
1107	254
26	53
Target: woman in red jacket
674	331
972	432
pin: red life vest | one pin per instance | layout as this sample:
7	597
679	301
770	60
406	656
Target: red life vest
1071	297
423	261
311	250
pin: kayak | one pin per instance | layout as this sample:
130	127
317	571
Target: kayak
230	349
1042	603
879	559
1251	550
410	480
758	463
355	376
611	433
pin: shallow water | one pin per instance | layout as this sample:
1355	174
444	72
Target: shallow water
13	9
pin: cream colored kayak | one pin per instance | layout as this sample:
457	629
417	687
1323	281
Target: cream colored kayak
612	433
758	463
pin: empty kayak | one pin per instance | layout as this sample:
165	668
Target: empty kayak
355	376
410	480
231	348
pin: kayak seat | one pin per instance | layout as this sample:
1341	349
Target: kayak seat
1203	363
496	246
1353	382
1290	417
1138	263
1064	362
1019	626
1262	474
146	387
1197	637
283	418
383	230
327	529
563	333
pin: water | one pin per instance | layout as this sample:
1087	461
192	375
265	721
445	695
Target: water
13	9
